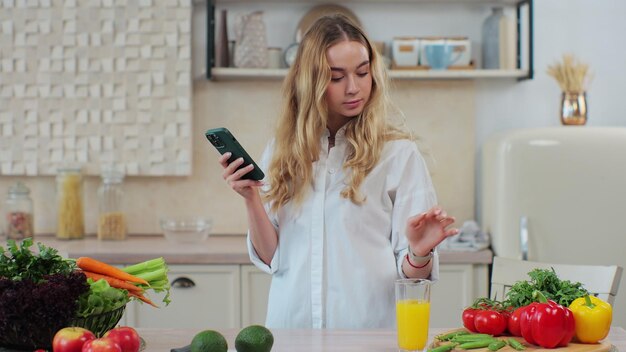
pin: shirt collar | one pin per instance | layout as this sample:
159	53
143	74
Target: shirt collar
340	135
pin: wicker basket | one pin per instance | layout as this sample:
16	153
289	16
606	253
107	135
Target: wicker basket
31	340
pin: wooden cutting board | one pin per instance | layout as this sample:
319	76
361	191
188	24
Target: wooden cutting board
603	346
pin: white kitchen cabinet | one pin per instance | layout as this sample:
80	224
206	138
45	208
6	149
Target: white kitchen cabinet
458	286
235	296
203	297
255	287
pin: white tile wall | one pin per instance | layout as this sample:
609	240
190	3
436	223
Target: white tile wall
95	81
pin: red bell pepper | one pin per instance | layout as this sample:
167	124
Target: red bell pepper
546	323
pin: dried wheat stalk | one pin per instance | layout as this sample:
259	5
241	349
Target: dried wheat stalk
572	76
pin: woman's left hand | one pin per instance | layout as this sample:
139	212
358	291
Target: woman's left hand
426	230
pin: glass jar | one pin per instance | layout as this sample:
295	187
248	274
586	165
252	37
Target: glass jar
19	212
111	218
70	213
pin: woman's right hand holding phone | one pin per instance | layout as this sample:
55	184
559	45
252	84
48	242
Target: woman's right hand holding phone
262	233
233	176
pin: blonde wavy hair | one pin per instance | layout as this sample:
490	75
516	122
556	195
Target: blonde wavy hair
304	117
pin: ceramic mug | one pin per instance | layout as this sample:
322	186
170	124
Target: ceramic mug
440	56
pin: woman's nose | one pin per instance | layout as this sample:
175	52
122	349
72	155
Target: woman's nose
352	87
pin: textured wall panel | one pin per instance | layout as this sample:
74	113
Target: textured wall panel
95	81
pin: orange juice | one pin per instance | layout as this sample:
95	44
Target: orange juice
412	318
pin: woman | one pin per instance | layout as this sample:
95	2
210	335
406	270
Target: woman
348	205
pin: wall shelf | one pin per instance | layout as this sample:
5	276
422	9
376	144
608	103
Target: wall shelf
390	2
228	73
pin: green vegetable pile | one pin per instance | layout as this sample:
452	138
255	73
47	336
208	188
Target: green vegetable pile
100	298
466	340
562	292
38	292
19	263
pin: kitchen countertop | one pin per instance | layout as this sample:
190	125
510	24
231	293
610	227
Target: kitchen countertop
162	340
217	249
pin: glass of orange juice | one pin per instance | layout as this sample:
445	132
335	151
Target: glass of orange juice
412	313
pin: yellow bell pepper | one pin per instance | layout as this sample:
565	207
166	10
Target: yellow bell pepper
593	318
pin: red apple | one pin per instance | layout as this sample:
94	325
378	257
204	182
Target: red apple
126	337
71	339
101	345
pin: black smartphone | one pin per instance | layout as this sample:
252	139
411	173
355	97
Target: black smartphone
224	141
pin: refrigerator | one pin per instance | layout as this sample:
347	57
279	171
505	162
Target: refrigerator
557	195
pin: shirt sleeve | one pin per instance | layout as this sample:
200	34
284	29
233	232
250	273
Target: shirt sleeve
413	193
254	257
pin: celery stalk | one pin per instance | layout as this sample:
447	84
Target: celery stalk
148	265
152	275
155	272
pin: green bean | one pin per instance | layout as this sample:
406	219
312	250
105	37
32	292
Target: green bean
516	344
472	337
496	345
443	348
476	344
449	336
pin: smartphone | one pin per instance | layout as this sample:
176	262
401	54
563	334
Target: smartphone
224	141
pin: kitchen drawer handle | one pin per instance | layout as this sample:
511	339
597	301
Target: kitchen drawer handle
183	282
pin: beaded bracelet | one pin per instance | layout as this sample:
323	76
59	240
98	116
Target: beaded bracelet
417	267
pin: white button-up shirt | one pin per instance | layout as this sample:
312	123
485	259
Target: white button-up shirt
336	261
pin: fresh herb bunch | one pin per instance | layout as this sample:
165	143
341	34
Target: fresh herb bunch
562	292
18	262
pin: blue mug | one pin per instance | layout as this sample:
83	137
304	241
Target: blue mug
440	56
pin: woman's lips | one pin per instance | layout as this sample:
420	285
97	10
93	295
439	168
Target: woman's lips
353	104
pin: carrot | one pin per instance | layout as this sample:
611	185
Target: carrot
113	282
95	266
143	298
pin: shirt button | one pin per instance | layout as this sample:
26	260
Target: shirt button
331	171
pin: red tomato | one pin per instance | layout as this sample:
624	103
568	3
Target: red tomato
468	318
513	324
101	345
490	322
71	339
506	312
126	337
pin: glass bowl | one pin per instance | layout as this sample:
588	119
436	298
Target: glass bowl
186	230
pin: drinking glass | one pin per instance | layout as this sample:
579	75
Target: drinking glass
412	313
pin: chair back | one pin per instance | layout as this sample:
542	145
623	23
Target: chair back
601	281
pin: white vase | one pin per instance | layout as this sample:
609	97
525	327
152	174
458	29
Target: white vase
491	39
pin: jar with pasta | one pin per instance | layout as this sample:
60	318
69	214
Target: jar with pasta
70	204
111	217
